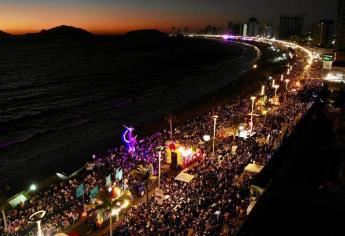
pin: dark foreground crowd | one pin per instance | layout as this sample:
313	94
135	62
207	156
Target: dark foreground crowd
214	203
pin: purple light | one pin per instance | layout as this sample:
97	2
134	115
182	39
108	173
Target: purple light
129	139
225	36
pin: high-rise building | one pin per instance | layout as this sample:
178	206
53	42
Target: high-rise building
324	34
268	30
237	29
253	27
311	34
340	41
290	26
244	29
231	27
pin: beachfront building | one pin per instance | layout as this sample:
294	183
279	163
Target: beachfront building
340	41
290	26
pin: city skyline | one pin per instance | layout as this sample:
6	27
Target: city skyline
120	16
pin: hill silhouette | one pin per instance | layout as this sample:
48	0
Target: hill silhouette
4	34
63	32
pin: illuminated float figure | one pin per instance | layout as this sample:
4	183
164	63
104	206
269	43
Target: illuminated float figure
129	139
178	155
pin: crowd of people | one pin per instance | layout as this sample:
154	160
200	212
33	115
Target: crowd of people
214	202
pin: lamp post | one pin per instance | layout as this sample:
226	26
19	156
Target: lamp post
262	93
276	86
273	82
286	84
214	117
37	217
281	77
251	114
159	149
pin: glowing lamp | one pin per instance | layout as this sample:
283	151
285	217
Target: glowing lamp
84	215
206	137
33	187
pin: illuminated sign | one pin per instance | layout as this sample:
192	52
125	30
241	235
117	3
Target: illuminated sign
327	58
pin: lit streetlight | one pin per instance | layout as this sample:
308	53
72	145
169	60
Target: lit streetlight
214	117
251	114
33	187
159	149
286	84
276	86
273	82
281	77
37	218
262	93
206	138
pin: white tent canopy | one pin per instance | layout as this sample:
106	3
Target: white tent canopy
253	168
250	207
184	177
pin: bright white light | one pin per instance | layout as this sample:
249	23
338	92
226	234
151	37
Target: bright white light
187	152
115	212
33	187
335	77
225	36
206	137
125	204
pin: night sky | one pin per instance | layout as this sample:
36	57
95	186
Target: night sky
117	16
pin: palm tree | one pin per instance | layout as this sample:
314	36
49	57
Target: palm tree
4	204
108	203
145	175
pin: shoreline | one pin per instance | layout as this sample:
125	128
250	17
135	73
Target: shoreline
235	88
222	96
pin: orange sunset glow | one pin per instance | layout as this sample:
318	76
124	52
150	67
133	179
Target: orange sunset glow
20	19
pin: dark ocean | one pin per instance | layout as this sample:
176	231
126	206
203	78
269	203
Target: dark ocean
60	103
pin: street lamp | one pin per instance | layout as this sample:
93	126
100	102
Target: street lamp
33	187
281	77
255	66
37	217
159	149
276	86
262	93
251	114
214	117
206	137
287	82
273	82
